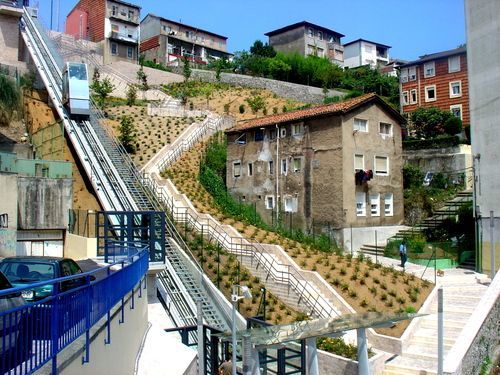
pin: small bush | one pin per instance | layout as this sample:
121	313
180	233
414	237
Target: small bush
242	108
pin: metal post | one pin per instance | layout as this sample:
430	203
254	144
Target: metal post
263	304
376	246
363	364
234	300
201	339
247	355
492	245
311	357
351	239
440	331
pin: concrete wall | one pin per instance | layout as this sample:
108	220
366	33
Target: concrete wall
9	34
352	55
77	247
119	357
443	160
9	194
44	203
366	235
333	364
301	93
290	41
483	39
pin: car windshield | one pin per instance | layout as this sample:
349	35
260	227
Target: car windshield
27	272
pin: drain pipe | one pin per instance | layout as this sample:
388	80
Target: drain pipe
440	331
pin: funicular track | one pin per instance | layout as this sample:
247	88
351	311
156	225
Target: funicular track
118	184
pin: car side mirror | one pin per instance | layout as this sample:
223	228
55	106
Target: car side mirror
92	278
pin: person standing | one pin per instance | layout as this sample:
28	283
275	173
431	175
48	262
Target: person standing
402	253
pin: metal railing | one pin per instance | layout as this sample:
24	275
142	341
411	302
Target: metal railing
242	247
33	334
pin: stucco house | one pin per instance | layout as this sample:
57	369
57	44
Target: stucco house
332	166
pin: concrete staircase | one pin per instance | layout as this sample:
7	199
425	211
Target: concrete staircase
461	295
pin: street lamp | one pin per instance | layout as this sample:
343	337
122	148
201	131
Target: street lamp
245	293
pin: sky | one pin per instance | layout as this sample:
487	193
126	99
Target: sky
411	27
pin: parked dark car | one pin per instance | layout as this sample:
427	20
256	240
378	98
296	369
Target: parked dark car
22	270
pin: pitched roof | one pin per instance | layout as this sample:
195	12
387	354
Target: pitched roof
435	56
300	24
319	111
367	41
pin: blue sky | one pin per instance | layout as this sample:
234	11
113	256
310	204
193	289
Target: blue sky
411	27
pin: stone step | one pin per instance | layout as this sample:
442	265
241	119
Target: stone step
431	341
405	370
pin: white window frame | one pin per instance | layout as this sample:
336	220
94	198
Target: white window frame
360	204
250	169
455	83
297	169
116	49
357	127
310	32
457	106
403	75
405	98
271	167
380	173
429	69
412	73
236	168
427	89
284	166
282	132
297	129
290	203
269	198
389	204
389	134
450	68
413	91
130	52
362	162
375	204
320	35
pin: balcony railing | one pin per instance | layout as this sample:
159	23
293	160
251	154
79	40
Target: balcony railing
32	334
123	37
123	17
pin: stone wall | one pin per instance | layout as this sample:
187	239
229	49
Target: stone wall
333	364
301	93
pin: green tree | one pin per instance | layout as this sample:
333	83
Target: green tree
101	90
131	95
186	71
429	122
262	49
142	78
9	99
127	135
453	125
256	103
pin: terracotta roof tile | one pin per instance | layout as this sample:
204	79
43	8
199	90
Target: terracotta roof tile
302	114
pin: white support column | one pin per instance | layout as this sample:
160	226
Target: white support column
363	364
201	340
311	357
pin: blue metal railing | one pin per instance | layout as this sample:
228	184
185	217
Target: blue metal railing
33	334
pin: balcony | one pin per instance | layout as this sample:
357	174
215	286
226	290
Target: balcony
124	16
123	37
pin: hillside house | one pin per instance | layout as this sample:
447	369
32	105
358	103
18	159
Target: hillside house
437	80
306	38
331	166
362	52
114	23
165	41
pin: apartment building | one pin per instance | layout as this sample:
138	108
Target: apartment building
113	23
167	42
307	38
437	80
364	52
334	165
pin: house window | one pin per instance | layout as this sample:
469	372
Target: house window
453	64
282	132
283	166
310	32
130	14
258	135
236	169
381	165
250	169
455	89
430	93
115	28
297	129
412	73
114	49
413	96
242	139
272	133
385	129
130	52
405	97
359	162
361	125
375	205
320	35
271	167
429	69
297	164
114	10
388	204
456	110
360	204
404	75
290	204
269	202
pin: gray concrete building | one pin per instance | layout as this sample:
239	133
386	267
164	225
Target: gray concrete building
307	38
483	56
361	52
330	166
9	32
